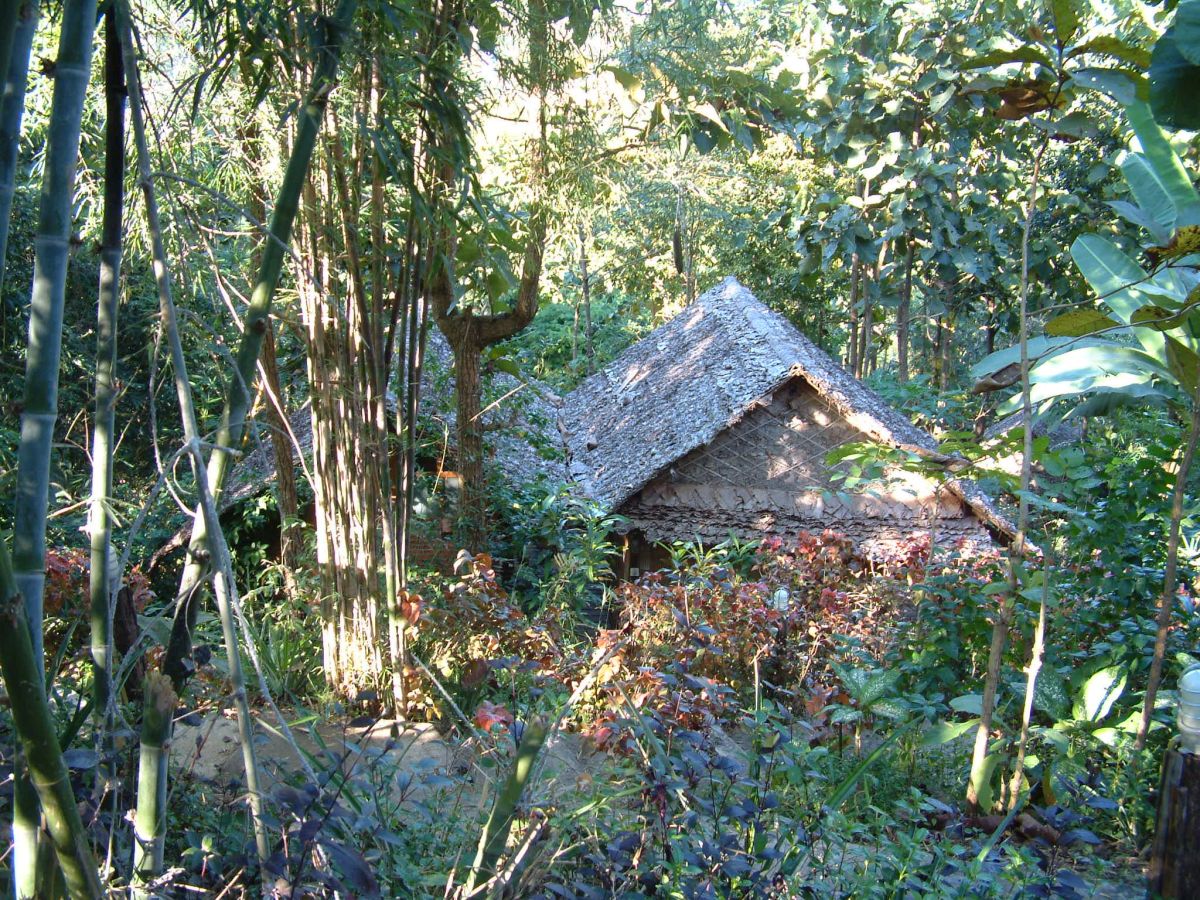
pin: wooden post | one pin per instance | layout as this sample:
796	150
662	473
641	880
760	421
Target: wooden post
1174	860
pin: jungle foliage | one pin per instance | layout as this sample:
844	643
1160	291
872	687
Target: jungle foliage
981	209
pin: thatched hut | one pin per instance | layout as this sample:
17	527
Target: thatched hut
720	422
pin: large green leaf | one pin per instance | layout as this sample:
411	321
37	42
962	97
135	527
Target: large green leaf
1080	322
945	732
879	684
1109	45
1174	82
1084	366
1161	154
1050	694
1119	282
1066	20
1151	194
1187	30
1025	54
1112	274
1183	361
1123	86
1038	348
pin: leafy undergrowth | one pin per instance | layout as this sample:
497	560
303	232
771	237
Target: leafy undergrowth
760	811
786	720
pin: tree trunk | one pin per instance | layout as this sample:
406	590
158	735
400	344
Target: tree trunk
1004	616
852	350
290	538
903	310
992	326
467	332
589	350
468	393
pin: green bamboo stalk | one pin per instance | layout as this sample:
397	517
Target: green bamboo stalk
149	823
495	833
9	17
40	408
237	399
40	405
23	678
226	591
12	105
150	820
151	790
102	579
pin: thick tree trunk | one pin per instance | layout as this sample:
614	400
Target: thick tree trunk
285	475
468	393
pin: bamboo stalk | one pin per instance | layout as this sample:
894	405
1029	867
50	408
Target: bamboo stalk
495	833
156	726
23	677
150	792
51	248
101	579
9	17
149	823
237	400
12	107
40	402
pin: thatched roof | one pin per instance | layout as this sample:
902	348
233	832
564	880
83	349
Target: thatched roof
697	375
